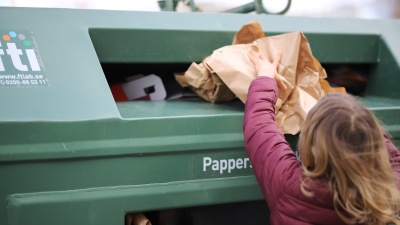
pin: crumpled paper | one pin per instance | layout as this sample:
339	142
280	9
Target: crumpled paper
205	84
136	219
231	66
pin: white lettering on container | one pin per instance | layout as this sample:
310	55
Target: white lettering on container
225	165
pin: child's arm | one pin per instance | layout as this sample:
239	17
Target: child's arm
394	157
394	153
273	161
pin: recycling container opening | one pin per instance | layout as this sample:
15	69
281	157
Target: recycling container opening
353	61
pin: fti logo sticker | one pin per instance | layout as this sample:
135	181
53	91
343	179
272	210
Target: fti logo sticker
20	62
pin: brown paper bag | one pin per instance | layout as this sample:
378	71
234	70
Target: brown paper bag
136	219
253	31
208	85
250	32
298	67
205	84
303	74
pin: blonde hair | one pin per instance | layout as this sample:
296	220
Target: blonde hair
342	142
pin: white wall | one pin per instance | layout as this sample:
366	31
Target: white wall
314	8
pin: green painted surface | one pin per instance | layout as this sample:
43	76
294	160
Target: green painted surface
67	150
126	45
108	205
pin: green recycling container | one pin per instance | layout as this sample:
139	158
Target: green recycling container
71	154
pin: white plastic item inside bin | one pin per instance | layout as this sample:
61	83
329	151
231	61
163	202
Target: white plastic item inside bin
148	87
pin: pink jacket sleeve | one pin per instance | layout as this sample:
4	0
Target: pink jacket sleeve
394	156
274	163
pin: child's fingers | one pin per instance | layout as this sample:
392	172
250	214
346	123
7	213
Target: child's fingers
277	59
251	57
279	82
282	85
262	56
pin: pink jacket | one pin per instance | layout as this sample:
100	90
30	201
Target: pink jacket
276	167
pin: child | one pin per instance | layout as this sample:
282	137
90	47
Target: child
348	169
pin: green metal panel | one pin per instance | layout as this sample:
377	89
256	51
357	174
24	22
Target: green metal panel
108	205
126	45
175	46
68	151
385	77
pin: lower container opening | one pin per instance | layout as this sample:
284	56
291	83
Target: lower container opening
249	213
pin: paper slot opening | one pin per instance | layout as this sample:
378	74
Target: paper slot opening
147	81
354	61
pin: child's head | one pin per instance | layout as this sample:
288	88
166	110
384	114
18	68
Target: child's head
342	142
337	128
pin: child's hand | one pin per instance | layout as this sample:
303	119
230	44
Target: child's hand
265	68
